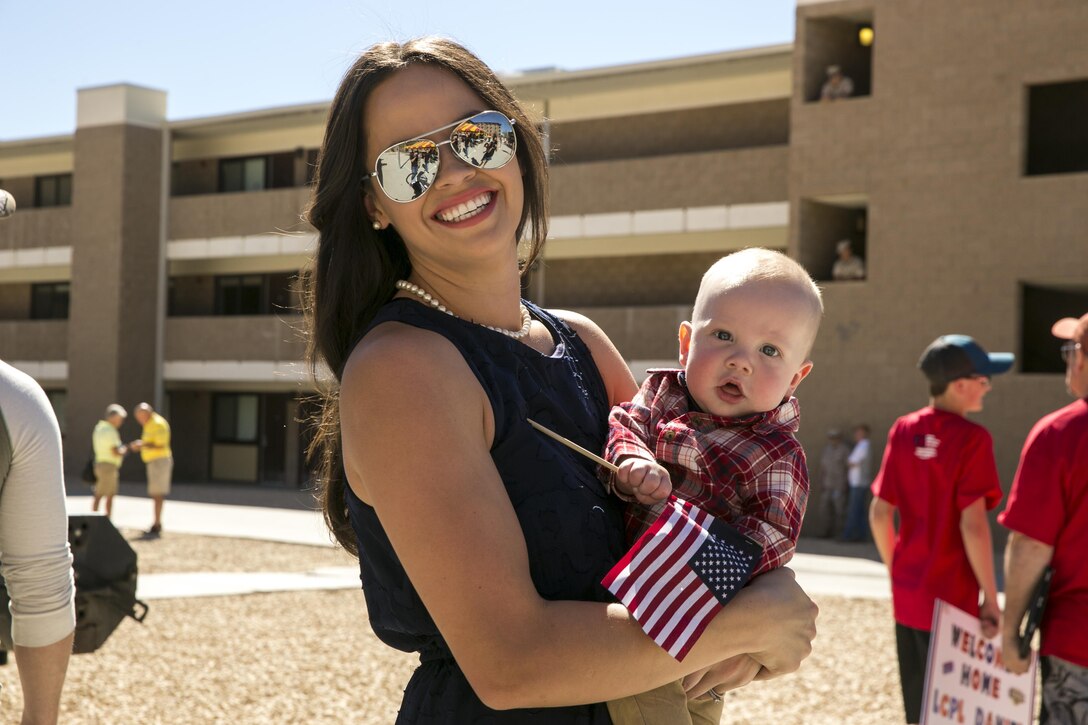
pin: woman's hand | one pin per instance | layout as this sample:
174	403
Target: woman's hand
790	618
728	674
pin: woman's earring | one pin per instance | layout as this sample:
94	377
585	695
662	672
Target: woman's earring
377	226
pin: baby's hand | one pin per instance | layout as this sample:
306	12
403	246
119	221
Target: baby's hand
646	480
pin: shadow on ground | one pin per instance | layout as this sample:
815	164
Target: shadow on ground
231	494
834	547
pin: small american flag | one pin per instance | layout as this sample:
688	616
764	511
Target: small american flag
680	572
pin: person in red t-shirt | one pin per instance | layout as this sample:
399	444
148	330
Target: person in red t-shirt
1047	512
939	473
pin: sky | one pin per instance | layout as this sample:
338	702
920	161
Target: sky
230	56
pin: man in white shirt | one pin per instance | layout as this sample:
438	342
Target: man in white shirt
858	475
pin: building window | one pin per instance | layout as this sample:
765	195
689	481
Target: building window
834	239
235	417
255	294
49	301
311	166
1057	128
243	174
254	173
59	400
1041	307
53	190
838	56
239	294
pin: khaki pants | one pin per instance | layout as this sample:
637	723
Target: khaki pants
158	476
666	705
106	483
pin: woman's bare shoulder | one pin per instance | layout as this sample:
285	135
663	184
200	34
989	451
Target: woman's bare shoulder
395	353
618	380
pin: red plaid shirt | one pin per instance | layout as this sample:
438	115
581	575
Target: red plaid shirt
750	472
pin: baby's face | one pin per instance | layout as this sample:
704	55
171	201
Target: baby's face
747	349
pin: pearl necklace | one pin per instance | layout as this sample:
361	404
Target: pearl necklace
426	296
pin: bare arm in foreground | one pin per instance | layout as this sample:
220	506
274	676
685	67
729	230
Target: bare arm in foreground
1025	560
975	529
41	675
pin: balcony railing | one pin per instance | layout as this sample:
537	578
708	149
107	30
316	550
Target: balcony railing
238	214
29	228
34	340
741	176
239	338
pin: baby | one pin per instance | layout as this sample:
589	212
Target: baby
720	432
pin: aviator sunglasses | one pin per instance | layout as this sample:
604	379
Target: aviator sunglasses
407	169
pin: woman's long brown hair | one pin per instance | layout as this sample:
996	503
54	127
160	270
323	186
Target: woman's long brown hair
355	267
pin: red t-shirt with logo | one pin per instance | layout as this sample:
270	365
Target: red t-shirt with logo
1049	502
935	465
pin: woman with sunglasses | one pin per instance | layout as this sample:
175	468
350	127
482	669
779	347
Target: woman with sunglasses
481	542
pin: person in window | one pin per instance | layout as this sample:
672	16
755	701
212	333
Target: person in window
848	266
482	543
837	85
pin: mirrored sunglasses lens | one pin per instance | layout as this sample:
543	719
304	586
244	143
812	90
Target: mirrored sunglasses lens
487	140
405	171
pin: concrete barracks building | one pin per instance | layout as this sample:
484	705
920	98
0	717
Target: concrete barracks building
156	259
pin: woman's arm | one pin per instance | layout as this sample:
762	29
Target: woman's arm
34	551
41	674
417	430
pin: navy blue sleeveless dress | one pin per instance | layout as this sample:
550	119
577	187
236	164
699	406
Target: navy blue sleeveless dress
573	528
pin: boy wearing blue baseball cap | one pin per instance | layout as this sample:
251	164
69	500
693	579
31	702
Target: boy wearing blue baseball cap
939	474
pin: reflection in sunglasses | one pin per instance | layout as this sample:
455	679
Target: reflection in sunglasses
485	141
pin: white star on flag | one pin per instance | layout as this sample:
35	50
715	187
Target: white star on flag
680	572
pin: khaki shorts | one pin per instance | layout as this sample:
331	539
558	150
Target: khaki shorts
158	476
107	475
666	704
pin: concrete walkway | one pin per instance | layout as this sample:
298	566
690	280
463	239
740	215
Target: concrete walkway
848	572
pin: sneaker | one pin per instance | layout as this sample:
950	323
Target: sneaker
155	530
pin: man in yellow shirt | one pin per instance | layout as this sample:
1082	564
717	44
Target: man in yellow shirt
108	455
154	447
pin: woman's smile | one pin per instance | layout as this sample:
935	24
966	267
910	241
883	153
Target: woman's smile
457	213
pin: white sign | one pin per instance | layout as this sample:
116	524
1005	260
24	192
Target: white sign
966	679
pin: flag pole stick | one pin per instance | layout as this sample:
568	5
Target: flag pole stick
572	445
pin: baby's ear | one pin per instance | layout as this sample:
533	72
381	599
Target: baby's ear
800	375
685	342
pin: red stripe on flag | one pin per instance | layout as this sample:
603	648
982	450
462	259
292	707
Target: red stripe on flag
623	566
680	601
657	584
660	588
647	553
698	625
656	579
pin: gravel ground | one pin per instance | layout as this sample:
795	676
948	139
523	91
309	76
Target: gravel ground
311	657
